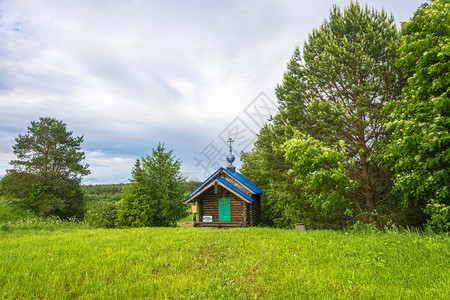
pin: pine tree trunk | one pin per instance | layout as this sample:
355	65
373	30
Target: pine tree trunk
367	187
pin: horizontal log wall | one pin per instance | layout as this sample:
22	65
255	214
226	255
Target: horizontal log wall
256	210
209	205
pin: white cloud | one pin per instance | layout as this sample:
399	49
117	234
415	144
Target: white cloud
106	168
127	74
6	154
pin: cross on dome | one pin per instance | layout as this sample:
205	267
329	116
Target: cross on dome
230	157
230	140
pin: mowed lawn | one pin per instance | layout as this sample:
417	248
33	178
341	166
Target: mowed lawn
183	263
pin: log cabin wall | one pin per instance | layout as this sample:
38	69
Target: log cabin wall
254	211
249	214
208	205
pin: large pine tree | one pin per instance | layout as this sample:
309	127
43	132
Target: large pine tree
48	170
336	88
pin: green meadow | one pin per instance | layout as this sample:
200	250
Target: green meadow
50	259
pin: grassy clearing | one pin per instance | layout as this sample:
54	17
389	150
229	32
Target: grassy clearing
75	262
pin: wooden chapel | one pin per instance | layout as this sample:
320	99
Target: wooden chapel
227	199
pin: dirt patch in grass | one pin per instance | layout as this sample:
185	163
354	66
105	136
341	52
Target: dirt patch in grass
186	224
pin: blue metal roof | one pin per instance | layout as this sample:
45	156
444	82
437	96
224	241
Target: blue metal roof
238	177
245	182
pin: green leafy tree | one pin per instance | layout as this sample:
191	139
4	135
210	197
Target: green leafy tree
155	193
102	214
321	171
419	122
47	171
284	202
101	204
266	167
336	88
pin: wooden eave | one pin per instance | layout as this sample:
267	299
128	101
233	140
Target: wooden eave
223	183
212	178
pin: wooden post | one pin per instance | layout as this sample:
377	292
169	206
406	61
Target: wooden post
300	227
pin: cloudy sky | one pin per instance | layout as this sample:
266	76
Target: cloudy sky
128	74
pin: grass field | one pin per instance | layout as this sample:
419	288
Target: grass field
51	259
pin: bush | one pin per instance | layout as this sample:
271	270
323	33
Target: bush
102	214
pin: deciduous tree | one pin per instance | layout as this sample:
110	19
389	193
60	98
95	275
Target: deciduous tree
419	122
321	171
284	202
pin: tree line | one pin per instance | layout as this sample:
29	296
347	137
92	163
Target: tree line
362	131
104	189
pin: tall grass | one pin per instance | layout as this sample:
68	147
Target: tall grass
12	213
247	263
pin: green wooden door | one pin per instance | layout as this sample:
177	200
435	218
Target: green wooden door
224	210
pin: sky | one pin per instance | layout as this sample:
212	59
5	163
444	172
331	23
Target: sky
129	74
